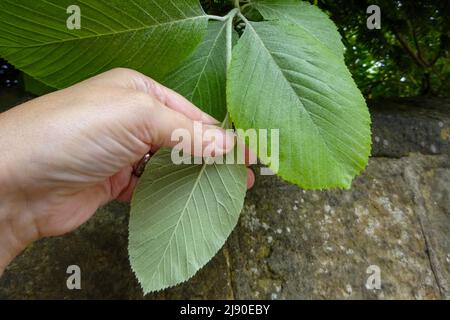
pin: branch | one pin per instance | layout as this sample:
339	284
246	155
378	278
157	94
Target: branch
229	16
237	4
410	51
416	43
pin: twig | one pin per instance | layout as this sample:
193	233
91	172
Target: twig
230	15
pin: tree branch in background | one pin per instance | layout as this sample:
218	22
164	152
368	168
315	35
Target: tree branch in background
416	43
409	50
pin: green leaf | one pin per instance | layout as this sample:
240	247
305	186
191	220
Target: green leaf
181	216
202	77
306	16
282	77
35	87
151	36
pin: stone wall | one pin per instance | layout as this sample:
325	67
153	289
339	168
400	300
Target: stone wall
291	243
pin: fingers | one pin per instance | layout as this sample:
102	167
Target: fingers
250	178
118	184
169	128
177	102
249	156
130	79
127	193
173	121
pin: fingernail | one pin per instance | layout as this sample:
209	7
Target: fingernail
224	140
206	118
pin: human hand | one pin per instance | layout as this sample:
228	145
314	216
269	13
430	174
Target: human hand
67	153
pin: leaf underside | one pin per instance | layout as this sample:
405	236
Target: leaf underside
282	77
202	77
307	17
181	216
151	36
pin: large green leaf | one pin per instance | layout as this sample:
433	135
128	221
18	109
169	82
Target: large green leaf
202	77
306	16
181	216
282	77
35	87
151	36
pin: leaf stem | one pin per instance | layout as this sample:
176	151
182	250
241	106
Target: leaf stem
217	18
226	122
243	18
229	43
229	37
229	16
237	4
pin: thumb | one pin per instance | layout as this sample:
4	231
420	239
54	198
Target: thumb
169	128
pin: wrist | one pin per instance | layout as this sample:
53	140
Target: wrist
17	228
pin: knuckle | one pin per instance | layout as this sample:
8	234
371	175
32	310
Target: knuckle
120	70
124	72
137	99
156	90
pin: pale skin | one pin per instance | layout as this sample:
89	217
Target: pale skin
66	154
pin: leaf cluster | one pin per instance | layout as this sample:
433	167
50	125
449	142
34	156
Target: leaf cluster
266	64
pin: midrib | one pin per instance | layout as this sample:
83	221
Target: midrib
42	44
